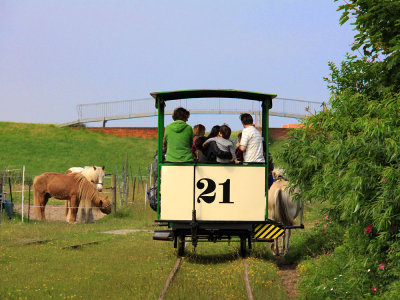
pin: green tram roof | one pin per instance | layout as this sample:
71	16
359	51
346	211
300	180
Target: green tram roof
207	93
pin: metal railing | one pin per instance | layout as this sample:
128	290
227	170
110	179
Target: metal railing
144	107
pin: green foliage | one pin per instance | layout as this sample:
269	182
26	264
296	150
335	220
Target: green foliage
321	238
348	157
377	24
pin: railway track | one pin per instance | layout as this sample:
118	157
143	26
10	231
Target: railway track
177	265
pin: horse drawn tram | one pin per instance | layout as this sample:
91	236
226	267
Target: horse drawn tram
214	202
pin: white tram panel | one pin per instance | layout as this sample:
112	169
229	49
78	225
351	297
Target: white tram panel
222	193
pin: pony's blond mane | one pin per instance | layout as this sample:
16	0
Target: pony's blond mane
86	192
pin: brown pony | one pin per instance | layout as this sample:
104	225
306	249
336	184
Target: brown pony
71	187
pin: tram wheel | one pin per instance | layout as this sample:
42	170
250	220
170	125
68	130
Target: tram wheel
181	245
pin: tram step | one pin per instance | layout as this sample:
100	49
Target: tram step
163	235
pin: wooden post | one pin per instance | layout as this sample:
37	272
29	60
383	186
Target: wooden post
133	192
114	193
9	184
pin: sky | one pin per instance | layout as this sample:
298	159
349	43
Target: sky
55	55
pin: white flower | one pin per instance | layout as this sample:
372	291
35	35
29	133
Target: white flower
369	270
331	289
334	278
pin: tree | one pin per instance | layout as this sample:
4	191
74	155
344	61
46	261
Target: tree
378	25
348	155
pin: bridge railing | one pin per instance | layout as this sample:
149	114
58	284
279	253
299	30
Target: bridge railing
144	107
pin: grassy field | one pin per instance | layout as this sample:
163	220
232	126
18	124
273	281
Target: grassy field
36	261
48	148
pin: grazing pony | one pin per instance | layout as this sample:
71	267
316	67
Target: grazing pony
71	187
93	173
283	209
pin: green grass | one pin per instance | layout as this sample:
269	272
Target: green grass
48	148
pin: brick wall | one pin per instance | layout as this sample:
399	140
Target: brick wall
278	133
151	132
143	132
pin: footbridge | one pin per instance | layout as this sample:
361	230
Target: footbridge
144	107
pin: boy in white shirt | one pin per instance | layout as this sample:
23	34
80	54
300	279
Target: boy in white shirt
252	142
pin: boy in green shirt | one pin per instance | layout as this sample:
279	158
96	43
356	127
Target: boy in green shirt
178	137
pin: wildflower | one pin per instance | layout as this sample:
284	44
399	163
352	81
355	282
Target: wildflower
369	270
316	224
369	229
326	225
374	289
384	180
382	266
326	217
331	289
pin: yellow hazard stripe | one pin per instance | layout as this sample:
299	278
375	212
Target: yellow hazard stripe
278	234
258	227
268	235
261	230
267	231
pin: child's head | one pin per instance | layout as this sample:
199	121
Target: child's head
246	119
239	137
225	131
199	130
180	114
214	131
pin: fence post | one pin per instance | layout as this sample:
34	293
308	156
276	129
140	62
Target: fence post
114	193
23	189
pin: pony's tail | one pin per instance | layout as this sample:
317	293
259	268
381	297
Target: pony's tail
282	209
36	201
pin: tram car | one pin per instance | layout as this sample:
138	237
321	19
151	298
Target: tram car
213	202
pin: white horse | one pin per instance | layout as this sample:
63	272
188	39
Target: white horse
95	175
282	209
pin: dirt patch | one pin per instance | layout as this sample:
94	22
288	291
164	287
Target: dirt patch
55	213
126	231
289	276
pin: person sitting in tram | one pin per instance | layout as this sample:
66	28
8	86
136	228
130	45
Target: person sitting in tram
238	152
251	142
223	143
210	152
198	131
214	131
178	137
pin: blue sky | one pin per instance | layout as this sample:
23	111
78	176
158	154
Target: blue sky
55	55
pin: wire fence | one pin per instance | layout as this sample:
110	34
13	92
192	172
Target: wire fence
16	191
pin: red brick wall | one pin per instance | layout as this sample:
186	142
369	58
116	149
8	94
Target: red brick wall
151	132
278	133
143	132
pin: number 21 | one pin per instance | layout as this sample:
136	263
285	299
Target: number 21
210	188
